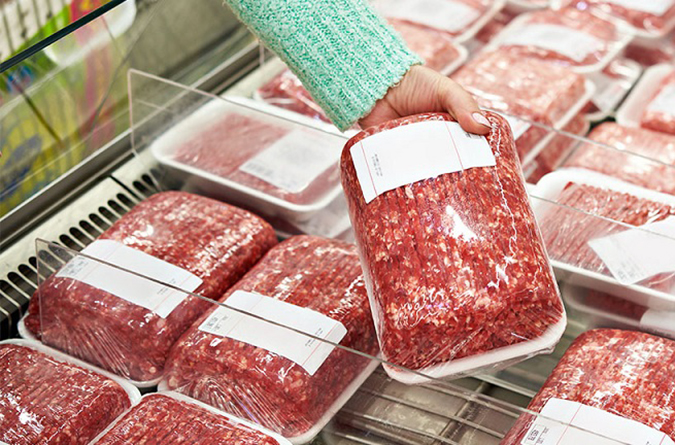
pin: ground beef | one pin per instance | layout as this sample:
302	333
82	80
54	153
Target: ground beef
613	82
455	263
437	50
661	120
256	384
647	53
557	150
614	305
625	373
531	89
587	212
160	419
494	26
216	242
654	168
223	147
607	34
46	401
639	19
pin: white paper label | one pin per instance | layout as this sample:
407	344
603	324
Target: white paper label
637	254
307	352
659	321
135	289
447	15
608	91
576	45
655	7
293	162
664	102
411	153
518	126
571	423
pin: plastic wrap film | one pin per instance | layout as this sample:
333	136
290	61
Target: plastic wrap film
45	401
494	26
660	112
466	13
625	373
526	88
640	16
436	48
590	40
586	212
654	168
161	418
257	384
557	150
612	85
215	242
649	52
456	272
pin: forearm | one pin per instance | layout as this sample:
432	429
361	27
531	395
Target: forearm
341	50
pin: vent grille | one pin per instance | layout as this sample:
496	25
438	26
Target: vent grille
74	227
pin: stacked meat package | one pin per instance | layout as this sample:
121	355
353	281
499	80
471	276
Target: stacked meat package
197	244
457	274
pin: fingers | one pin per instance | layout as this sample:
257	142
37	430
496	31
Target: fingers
459	103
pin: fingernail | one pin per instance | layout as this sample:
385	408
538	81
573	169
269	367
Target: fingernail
481	119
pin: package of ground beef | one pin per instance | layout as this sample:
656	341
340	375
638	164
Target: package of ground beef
557	150
531	89
611	86
650	52
458	276
659	115
604	310
460	19
270	374
125	323
252	159
642	157
174	418
569	37
603	227
650	18
610	384
47	397
438	50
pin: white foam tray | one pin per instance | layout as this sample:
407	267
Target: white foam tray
131	390
332	410
573	297
520	6
631	111
627	36
560	124
183	398
549	188
26	334
164	146
629	72
470	32
642	33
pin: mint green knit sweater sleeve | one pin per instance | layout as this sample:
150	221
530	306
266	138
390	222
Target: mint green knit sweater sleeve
341	50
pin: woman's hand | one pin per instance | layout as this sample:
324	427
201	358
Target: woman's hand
424	90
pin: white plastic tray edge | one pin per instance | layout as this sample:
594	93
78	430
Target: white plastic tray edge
634	70
471	31
132	391
27	335
455	64
521	350
630	112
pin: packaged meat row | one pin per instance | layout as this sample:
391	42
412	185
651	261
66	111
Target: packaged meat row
611	386
457	275
600	309
651	104
47	397
173	418
459	19
533	90
270	374
611	86
569	37
245	156
126	324
609	235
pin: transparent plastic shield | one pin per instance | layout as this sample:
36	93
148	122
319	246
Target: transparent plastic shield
277	164
250	370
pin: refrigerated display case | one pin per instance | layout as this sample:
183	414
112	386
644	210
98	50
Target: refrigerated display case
100	121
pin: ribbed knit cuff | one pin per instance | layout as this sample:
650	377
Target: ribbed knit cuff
341	50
